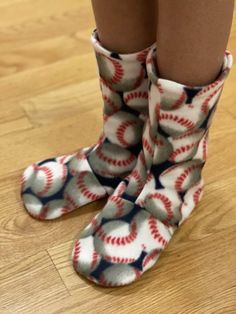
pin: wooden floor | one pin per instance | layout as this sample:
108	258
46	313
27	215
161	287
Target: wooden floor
50	104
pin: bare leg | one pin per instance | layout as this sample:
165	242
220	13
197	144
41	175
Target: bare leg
192	36
125	26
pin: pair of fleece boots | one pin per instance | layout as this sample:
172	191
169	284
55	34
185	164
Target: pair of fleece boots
148	160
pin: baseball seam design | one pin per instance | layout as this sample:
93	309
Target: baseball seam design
110	103
118	73
181	150
180	179
119	260
196	195
49	179
150	257
165	201
76	252
148	147
85	190
184	122
119	204
152	222
119	241
120	132
114	162
135	95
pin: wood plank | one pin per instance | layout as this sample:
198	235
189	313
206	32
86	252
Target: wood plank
23	287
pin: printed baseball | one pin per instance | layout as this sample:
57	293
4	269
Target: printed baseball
48	179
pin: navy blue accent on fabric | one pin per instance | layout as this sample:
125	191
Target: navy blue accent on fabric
115	55
41	163
182	195
149	85
162	132
106	140
157	170
205	122
126	108
145	71
129	198
136	149
103	265
191	93
110	182
58	195
128	218
139	262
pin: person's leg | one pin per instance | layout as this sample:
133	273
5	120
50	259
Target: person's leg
192	36
54	187
166	183
125	26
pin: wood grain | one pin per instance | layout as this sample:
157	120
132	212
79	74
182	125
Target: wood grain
50	104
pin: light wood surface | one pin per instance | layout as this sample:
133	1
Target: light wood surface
50	104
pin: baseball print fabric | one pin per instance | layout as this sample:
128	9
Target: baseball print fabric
56	186
127	237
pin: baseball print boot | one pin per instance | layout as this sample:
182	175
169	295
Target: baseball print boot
127	237
56	186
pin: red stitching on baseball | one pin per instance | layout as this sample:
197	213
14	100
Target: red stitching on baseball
119	204
158	142
211	86
110	103
62	160
70	200
197	195
119	72
187	134
121	188
180	120
81	156
120	132
141	56
181	150
180	180
141	157
94	260
152	222
179	101
64	173
65	210
147	146
49	179
77	250
43	213
204	107
119	241
85	190
138	179
22	181
204	147
134	95
165	201
150	257
141	203
149	177
160	88
119	260
114	162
